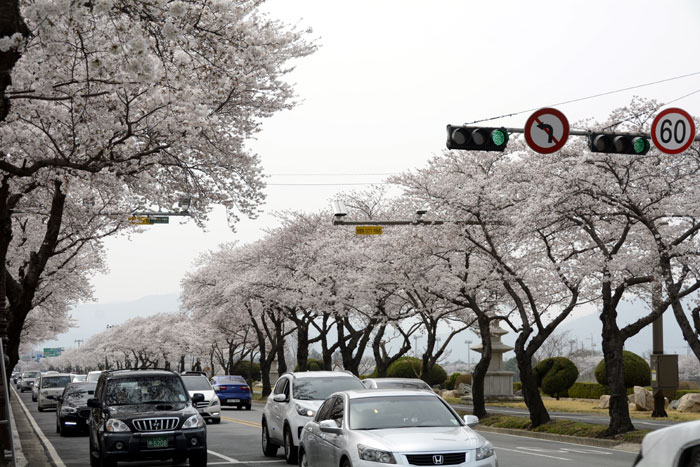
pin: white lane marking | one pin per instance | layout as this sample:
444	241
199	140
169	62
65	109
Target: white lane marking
486	433
248	462
586	451
226	458
49	447
533	454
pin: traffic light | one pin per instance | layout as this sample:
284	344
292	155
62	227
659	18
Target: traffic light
476	138
618	144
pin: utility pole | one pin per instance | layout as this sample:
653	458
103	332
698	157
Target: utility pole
79	341
469	355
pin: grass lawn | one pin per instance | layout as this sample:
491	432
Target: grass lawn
561	427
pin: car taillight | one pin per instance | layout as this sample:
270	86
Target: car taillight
245	388
219	388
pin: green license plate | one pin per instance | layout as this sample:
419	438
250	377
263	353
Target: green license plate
157	442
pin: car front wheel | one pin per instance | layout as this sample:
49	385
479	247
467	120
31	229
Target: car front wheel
269	449
303	461
290	451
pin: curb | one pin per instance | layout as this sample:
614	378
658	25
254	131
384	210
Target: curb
52	457
20	460
595	442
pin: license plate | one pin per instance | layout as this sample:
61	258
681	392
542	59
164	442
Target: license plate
155	443
234	400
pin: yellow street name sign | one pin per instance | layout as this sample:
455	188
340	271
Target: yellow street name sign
368	230
139	220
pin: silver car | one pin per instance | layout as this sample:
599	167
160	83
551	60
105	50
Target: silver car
383	426
29	378
210	407
49	388
396	383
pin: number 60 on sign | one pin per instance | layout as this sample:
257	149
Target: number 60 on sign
673	131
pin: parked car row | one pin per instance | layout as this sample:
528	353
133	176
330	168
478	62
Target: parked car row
332	419
134	415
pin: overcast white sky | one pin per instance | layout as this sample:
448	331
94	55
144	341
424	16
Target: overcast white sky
390	75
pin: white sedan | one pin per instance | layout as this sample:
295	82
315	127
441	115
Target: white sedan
674	446
367	428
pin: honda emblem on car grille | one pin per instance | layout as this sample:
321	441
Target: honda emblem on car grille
438	460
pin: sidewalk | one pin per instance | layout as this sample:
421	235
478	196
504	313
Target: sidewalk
29	449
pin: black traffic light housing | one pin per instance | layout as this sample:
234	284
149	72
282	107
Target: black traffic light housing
618	144
476	138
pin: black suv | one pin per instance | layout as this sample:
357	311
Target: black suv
145	414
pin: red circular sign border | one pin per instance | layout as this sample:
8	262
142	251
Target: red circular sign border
556	147
656	122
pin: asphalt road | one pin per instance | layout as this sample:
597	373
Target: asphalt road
237	441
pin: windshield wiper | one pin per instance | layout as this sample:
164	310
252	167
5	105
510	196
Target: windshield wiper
159	402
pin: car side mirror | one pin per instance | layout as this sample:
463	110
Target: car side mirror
279	398
197	397
330	426
471	420
94	403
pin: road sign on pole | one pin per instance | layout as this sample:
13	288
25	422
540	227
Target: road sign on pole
138	220
673	131
546	130
368	230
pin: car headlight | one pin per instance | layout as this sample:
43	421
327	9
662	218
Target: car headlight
484	451
67	410
375	455
195	421
214	401
115	425
306	412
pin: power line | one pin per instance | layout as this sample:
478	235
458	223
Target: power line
593	96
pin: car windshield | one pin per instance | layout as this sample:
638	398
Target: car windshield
319	388
55	381
402	384
76	394
375	413
196	383
144	390
31	374
79	378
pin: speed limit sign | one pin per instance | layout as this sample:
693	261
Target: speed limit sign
673	131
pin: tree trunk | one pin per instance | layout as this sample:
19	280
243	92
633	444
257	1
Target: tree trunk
620	421
531	393
302	347
479	373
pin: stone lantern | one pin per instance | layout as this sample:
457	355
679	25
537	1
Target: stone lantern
498	382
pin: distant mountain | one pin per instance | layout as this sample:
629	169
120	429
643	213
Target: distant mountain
92	318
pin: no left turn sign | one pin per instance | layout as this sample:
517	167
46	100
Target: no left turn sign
673	131
546	130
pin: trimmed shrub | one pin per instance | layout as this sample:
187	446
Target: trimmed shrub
450	382
635	369
587	390
555	375
409	367
688	385
466	378
312	364
517	386
241	368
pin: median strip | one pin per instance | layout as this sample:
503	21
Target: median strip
243	422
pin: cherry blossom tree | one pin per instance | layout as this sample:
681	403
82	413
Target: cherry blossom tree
115	106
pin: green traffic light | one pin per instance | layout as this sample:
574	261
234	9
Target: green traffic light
640	145
498	137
